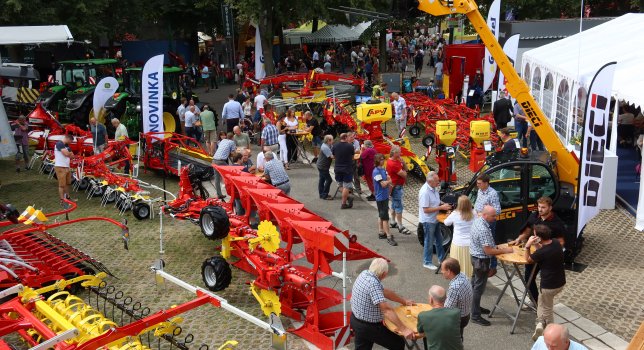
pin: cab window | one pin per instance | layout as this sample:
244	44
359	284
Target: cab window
507	183
541	184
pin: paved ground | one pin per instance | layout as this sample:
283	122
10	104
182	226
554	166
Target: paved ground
609	292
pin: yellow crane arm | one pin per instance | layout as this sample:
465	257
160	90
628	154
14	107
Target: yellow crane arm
567	164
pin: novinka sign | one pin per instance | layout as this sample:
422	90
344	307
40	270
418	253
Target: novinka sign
152	99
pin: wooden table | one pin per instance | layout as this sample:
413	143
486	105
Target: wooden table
514	259
637	343
408	315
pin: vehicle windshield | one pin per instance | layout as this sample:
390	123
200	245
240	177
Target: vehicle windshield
78	75
170	83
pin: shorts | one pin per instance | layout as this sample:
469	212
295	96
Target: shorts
396	199
210	136
317	141
64	175
344	180
383	209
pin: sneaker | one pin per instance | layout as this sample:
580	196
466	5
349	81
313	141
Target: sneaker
350	200
345	206
391	241
481	321
430	266
371	198
538	331
382	235
393	225
485	311
17	170
314	160
402	229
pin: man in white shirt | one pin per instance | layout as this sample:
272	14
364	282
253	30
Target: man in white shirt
121	130
181	112
316	59
429	204
400	111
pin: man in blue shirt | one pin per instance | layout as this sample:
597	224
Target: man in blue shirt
381	187
232	113
224	151
556	336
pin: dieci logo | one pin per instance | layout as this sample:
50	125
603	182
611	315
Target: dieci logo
594	147
377	111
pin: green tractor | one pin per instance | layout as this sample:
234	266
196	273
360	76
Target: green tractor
126	105
72	95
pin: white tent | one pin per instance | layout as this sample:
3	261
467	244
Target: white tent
561	72
35	35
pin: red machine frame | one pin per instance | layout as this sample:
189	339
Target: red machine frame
277	271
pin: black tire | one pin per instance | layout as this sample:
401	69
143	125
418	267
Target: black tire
428	140
417	170
111	198
446	232
141	211
83	184
47	168
123	203
214	222
98	190
216	273
414	130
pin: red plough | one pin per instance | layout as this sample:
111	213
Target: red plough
284	281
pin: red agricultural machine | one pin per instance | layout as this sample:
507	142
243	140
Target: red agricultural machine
33	257
289	265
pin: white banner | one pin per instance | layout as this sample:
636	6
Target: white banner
489	66
591	170
510	49
104	90
7	142
260	70
152	95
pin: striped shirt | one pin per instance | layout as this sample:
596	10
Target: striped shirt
367	293
225	149
481	237
269	135
459	294
487	197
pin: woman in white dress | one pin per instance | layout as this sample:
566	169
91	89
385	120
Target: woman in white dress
281	139
462	218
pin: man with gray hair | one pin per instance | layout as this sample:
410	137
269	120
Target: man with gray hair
120	131
429	204
275	173
324	164
369	308
556	336
440	324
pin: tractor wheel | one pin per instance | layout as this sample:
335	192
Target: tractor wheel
414	130
214	222
112	196
446	233
417	170
123	203
141	211
82	115
216	273
428	140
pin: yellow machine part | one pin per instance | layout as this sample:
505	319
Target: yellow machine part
479	131
373	113
229	345
319	95
101	116
268	300
446	132
267	237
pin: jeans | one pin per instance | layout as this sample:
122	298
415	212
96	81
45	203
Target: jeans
324	184
433	238
521	128
479	281
535	142
396	199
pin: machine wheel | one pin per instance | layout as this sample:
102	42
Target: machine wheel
83	184
214	222
122	203
428	140
111	198
216	273
417	170
414	130
98	190
141	211
446	232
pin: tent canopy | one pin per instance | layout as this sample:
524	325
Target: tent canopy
337	33
35	35
578	57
